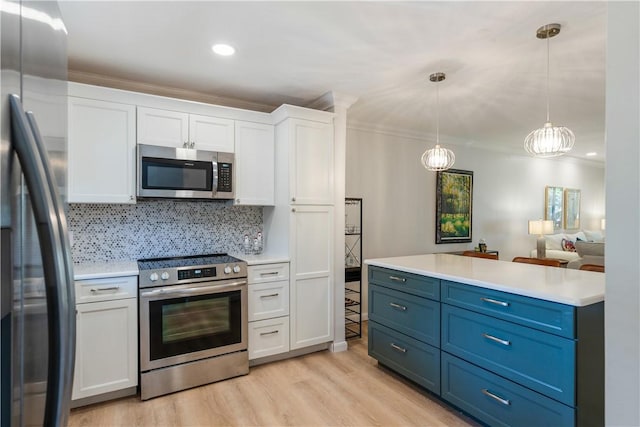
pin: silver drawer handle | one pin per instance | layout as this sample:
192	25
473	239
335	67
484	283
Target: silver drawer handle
269	296
112	288
398	279
271	273
397	347
498	340
401	307
269	333
498	398
495	301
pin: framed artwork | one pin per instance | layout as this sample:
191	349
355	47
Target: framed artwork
571	209
454	196
553	205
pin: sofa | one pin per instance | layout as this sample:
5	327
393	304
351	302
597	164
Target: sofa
583	247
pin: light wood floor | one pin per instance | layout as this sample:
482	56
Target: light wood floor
319	389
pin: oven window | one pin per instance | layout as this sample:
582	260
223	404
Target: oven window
169	174
184	325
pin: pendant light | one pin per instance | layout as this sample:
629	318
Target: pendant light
438	158
549	140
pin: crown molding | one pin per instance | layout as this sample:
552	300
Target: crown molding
171	92
332	100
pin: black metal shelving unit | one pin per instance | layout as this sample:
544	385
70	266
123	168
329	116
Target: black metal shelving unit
353	268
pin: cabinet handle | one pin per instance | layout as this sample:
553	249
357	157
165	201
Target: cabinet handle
495	301
237	200
398	348
269	296
293	209
271	273
498	340
112	288
397	279
495	397
293	199
401	307
185	144
131	197
192	144
269	333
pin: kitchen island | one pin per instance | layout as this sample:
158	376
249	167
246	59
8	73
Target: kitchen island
509	343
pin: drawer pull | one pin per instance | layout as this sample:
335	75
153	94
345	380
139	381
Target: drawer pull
401	307
495	301
112	288
397	279
498	340
269	333
398	348
271	273
269	296
497	398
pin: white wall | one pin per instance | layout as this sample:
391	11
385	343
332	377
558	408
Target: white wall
622	313
399	195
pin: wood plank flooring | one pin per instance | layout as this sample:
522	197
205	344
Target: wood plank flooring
319	389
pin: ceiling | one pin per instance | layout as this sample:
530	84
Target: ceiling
380	52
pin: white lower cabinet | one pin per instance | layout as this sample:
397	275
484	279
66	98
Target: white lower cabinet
106	336
268	304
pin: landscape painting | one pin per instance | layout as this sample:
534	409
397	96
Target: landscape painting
454	195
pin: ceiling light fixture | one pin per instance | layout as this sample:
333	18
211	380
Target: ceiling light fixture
223	49
549	140
438	158
591	154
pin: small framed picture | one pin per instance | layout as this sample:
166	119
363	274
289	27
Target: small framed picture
454	199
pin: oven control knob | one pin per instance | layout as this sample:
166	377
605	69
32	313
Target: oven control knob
236	269
227	270
153	277
164	275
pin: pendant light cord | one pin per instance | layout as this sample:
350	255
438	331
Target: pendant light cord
548	37
438	113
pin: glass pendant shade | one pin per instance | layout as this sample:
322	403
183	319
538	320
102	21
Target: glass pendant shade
549	141
438	158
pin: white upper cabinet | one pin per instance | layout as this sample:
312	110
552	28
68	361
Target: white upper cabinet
101	155
177	129
311	163
254	175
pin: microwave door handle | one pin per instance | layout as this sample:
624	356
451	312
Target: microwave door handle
214	172
61	325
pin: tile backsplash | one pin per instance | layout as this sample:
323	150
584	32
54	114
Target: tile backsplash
159	228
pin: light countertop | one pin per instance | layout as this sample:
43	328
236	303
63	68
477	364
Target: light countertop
563	285
261	259
105	269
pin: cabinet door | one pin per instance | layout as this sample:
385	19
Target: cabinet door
211	133
311	163
255	160
311	295
106	347
101	151
162	127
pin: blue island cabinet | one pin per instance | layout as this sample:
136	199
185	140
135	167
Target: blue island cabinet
506	359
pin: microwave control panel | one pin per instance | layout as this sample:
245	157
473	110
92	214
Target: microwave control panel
225	172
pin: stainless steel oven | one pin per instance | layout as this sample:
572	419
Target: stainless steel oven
193	322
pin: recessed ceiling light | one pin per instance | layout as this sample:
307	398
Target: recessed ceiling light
592	153
223	49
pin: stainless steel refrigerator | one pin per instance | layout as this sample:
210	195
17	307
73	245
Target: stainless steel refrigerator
37	299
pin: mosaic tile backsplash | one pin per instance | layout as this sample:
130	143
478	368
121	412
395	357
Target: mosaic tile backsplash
159	228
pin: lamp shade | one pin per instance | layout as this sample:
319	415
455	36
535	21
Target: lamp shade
602	224
539	227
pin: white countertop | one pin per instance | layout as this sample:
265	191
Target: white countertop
105	269
261	259
563	285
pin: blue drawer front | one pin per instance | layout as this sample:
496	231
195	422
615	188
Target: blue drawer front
426	287
543	315
409	314
540	361
415	360
471	389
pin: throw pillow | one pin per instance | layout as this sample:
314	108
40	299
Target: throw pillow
554	241
594	236
568	245
579	235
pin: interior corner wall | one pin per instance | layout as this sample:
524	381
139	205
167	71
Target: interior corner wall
508	190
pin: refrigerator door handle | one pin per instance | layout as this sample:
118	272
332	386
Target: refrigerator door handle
51	227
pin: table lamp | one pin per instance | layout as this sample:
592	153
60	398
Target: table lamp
540	228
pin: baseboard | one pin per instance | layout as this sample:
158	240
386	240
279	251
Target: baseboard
337	347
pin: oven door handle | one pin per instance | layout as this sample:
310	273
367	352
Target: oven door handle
199	290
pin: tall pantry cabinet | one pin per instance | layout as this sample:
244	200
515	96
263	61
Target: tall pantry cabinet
301	223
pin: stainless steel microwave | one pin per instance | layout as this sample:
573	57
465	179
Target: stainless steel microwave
184	173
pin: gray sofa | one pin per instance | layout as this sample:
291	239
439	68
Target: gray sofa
589	252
